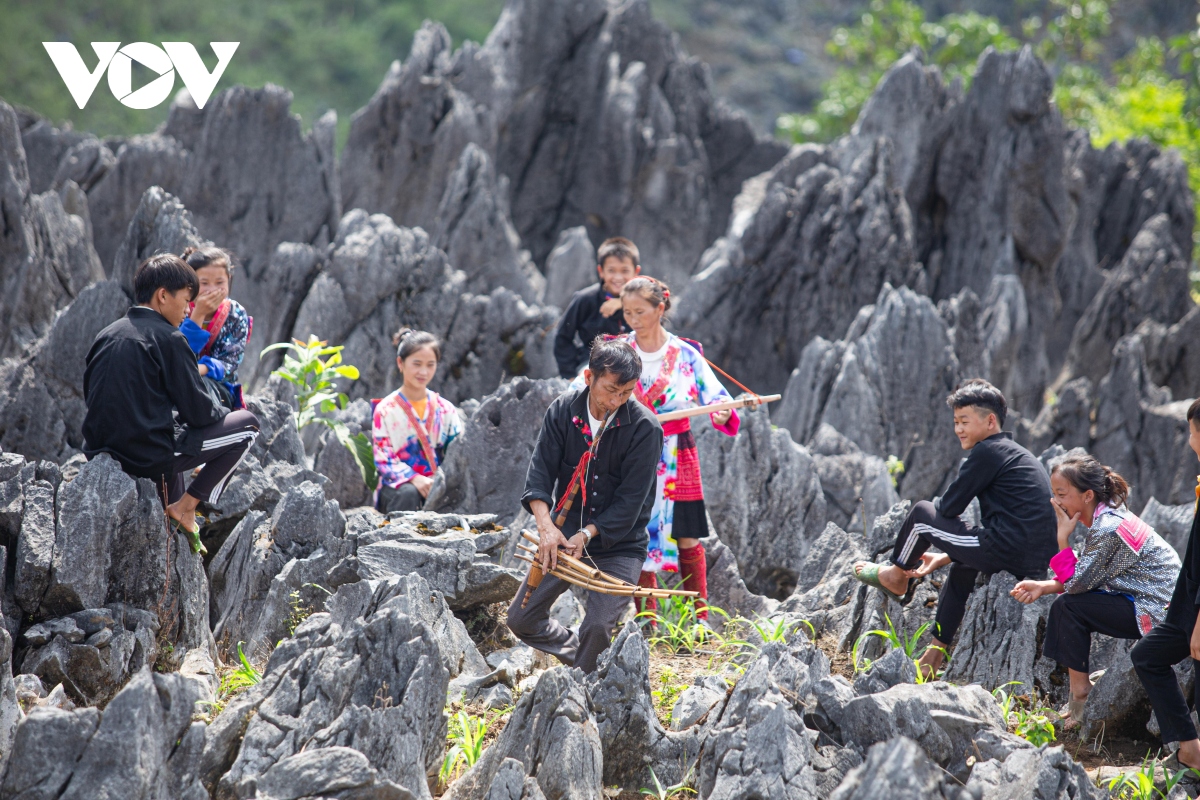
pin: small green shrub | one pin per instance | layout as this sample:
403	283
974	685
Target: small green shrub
465	735
1140	784
313	367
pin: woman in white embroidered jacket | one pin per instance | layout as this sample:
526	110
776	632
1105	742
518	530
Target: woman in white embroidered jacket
1118	586
412	426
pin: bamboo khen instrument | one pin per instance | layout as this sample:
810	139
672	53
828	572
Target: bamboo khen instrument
744	402
577	573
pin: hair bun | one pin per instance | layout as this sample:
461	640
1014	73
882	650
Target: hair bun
187	251
400	336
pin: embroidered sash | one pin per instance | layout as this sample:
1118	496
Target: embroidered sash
576	481
216	323
424	432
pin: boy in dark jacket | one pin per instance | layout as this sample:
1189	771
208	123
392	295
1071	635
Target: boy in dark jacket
1019	528
141	373
606	526
1177	638
597	309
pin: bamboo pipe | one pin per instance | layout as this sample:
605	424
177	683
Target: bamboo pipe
744	402
579	564
628	589
595	578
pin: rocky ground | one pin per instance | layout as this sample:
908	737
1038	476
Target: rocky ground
952	234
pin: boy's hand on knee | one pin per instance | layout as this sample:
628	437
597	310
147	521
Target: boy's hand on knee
929	564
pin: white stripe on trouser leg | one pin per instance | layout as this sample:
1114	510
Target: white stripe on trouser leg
962	540
221	441
906	551
220	487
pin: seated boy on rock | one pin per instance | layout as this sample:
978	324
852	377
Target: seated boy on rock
140	374
1018	530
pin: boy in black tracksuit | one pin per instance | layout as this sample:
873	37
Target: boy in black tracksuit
596	310
140	373
1019	530
1177	638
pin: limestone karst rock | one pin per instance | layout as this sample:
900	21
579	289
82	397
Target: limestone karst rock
885	403
764	497
485	467
46	253
591	111
380	276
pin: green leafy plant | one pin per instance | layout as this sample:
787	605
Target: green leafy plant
313	367
1034	726
896	640
241	678
668	691
673	792
895	468
1140	784
465	734
1029	720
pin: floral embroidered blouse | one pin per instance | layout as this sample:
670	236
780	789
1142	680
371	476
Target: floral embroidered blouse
398	452
222	354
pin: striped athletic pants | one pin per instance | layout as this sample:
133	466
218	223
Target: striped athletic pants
224	445
924	527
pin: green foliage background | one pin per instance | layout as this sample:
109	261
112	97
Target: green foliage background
1153	91
329	54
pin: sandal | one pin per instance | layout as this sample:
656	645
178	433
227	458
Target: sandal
1074	711
192	535
1172	765
869	575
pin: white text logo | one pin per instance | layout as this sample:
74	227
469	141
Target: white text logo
163	61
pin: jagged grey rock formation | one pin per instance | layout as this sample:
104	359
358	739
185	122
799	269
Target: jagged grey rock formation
759	746
592	112
763	494
631	737
554	736
484	469
144	744
854	482
474	230
1140	431
418	600
47	146
897	769
571	266
995	197
380	276
1000	640
263	561
109	544
888	404
41	395
92	653
376	684
1046	773
46	253
1150	283
826	237
333	460
160	224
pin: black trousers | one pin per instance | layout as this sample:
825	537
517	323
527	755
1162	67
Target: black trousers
924	527
404	497
1075	617
222	448
1153	658
533	625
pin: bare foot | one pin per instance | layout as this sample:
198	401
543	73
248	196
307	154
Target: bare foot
185	516
891	576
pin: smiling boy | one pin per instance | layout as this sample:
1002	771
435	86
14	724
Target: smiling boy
596	309
1018	530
